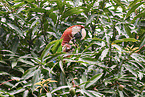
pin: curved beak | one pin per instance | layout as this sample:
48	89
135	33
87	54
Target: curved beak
83	32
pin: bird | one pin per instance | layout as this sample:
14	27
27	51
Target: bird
73	33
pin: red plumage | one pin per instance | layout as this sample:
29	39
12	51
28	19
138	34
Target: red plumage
67	35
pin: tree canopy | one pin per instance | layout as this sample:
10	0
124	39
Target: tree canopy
109	62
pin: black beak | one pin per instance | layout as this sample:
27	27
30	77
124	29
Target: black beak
78	35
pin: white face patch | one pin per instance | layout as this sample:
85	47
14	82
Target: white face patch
75	30
83	33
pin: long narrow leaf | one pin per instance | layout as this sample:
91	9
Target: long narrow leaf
46	50
25	94
14	64
17	91
35	78
88	47
48	94
104	53
128	30
125	40
138	16
71	12
93	80
90	18
59	88
55	47
29	73
130	69
142	43
120	4
16	29
61	66
26	62
121	94
133	9
134	3
87	93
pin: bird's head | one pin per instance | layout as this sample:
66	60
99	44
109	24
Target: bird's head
73	33
78	32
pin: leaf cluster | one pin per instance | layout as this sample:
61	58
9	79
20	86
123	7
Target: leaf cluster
109	62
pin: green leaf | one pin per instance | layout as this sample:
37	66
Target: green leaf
46	51
18	90
53	16
55	47
8	84
94	39
35	22
15	44
109	91
3	62
20	9
60	5
130	69
87	93
90	18
120	4
121	94
16	29
104	53
38	10
25	94
51	56
71	12
142	43
140	75
61	66
96	94
59	49
138	16
7	51
117	47
134	3
125	40
137	57
25	61
128	30
29	73
14	64
93	80
97	39
35	78
4	73
59	88
48	94
86	48
133	9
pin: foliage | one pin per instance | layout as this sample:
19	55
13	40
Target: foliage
108	62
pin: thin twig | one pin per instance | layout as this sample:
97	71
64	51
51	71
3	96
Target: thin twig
6	81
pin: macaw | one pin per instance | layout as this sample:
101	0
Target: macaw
72	33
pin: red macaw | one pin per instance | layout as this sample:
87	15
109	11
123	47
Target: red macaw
73	32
